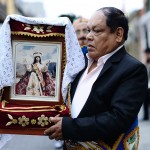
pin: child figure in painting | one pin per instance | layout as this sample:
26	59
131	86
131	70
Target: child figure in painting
37	81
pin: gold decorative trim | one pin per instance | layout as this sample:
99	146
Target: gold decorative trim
24	121
41	110
129	135
37	35
3	103
64	57
93	145
34	108
69	99
118	142
43	120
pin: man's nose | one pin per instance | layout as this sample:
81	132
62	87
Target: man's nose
89	36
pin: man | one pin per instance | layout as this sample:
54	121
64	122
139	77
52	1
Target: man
107	95
80	26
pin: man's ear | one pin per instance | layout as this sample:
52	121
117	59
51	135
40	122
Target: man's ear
119	34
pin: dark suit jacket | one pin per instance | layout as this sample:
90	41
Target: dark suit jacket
114	101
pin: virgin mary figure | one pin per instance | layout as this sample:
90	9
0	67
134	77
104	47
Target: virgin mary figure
37	80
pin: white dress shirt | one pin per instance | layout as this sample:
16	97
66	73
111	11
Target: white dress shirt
86	82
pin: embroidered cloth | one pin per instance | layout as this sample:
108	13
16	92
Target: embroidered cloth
74	56
126	141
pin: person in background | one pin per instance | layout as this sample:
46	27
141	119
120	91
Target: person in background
80	26
105	116
147	99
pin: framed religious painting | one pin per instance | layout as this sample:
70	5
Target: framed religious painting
39	59
37	69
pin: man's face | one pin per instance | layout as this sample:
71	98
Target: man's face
81	31
100	39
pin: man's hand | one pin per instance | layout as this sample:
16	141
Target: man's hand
55	131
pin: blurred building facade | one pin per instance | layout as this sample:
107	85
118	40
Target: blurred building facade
133	44
139	32
29	9
145	28
139	19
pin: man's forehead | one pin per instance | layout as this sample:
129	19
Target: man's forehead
80	20
80	25
97	19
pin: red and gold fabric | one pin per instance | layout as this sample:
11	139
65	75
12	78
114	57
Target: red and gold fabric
41	30
22	117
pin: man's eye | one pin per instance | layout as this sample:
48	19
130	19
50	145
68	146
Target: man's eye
85	31
88	30
96	31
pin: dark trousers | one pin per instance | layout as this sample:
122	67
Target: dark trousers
146	105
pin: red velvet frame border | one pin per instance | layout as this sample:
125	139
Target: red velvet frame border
32	117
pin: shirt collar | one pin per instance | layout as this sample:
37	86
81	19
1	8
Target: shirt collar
104	58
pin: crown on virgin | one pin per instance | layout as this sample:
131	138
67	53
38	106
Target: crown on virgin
37	54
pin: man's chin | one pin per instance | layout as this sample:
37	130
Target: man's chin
91	54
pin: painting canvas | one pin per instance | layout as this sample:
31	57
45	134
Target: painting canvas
37	69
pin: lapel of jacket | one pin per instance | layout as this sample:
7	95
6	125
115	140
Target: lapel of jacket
114	58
